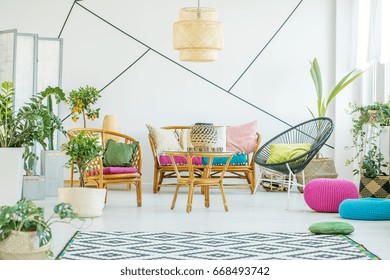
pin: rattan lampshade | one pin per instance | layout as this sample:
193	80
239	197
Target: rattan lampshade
198	35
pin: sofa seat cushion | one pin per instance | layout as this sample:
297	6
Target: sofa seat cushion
237	159
114	170
180	160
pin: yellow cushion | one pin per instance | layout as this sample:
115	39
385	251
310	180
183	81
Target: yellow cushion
285	152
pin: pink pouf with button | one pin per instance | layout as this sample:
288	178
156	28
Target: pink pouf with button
326	195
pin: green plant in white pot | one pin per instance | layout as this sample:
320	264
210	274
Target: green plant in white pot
25	233
18	129
320	167
82	151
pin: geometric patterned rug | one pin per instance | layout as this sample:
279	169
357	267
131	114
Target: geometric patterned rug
98	245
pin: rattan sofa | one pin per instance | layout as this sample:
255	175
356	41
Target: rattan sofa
245	173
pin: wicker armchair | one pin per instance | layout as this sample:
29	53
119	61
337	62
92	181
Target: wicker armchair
95	175
315	132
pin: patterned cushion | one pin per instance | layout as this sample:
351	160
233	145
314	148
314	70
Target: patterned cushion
375	209
180	160
325	195
164	139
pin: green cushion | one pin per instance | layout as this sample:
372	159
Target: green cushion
118	154
285	152
331	228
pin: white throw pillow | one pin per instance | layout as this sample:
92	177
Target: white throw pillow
164	139
221	141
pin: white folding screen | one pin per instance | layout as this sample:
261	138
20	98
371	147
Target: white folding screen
7	55
32	63
26	61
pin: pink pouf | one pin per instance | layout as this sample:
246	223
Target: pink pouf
326	195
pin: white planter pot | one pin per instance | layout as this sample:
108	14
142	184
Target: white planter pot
87	202
11	175
34	187
52	167
23	246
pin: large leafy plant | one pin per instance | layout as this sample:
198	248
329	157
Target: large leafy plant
26	216
17	129
82	150
323	101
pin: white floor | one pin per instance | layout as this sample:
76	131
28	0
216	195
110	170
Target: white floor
263	212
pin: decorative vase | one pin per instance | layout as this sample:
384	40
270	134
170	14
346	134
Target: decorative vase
110	122
20	245
203	135
86	202
11	174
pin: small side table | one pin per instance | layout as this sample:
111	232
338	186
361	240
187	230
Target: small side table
205	180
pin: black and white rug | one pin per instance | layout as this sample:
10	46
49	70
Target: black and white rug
211	246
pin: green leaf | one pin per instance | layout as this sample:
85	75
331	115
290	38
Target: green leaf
341	85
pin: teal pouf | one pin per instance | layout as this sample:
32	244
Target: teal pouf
369	209
331	228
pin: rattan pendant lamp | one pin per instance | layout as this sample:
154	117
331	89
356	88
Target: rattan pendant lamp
198	34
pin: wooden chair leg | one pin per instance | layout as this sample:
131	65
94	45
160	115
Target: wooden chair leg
129	186
223	196
175	196
160	180
155	180
138	187
190	196
207	196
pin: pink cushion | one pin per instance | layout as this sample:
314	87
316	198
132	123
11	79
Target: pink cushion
326	195
114	170
119	170
180	160
242	138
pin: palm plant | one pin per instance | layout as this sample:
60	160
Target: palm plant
324	101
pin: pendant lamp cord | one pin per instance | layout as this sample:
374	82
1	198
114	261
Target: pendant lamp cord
198	11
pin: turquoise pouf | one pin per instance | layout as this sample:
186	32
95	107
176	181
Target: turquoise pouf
373	209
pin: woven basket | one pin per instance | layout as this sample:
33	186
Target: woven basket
21	245
318	168
378	187
203	135
87	202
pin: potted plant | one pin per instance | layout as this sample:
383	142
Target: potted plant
25	233
321	167
368	124
18	129
34	186
83	151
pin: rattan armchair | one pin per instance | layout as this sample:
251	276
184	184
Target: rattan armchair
95	175
315	132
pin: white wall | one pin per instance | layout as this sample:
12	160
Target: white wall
158	92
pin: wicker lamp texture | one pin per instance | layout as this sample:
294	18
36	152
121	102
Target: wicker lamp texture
110	122
203	135
198	34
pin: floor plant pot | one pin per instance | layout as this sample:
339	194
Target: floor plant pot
21	245
87	202
378	187
34	187
52	167
11	175
318	168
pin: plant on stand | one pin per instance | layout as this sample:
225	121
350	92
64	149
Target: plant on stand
83	151
81	101
368	124
321	167
24	231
